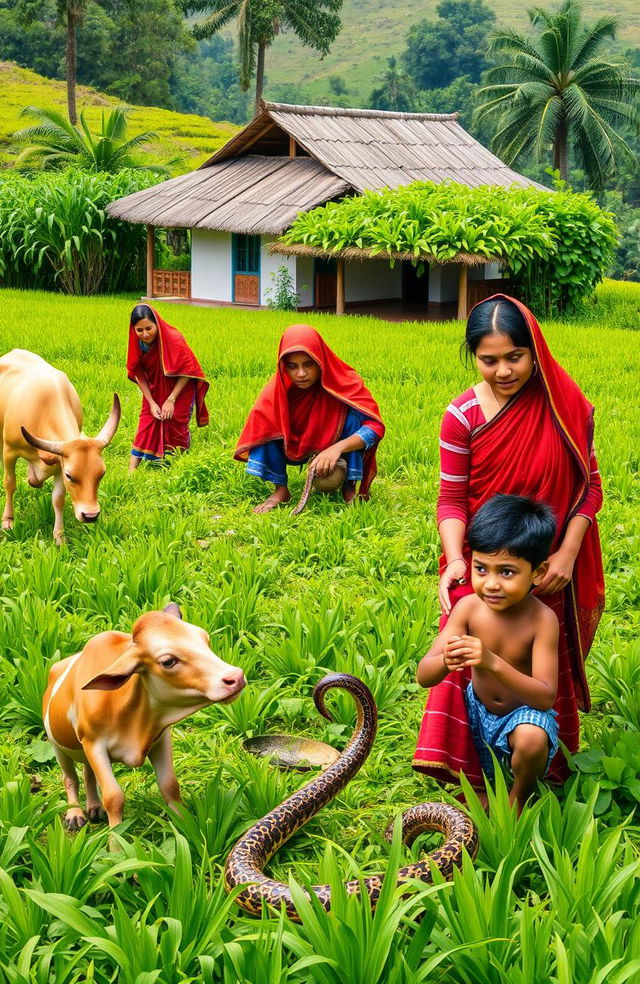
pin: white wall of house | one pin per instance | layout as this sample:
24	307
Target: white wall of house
443	283
211	265
304	280
270	264
372	280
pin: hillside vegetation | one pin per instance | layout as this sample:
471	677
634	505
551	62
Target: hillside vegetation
374	29
192	138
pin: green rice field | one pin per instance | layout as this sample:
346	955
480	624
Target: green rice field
552	897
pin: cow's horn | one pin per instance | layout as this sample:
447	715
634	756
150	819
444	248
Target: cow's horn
51	447
173	609
106	434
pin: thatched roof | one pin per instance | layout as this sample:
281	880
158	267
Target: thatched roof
353	253
252	185
250	194
372	149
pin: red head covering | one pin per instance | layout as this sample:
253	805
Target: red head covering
311	420
176	359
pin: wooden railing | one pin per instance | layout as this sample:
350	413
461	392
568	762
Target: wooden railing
479	290
171	283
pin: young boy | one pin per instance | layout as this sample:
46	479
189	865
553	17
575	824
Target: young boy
508	638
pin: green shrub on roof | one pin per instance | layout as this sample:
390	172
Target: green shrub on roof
555	247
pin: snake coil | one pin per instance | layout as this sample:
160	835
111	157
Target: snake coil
326	483
246	862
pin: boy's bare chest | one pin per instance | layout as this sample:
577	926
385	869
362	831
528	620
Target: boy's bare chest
512	639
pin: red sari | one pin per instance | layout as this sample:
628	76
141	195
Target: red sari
538	445
169	356
308	421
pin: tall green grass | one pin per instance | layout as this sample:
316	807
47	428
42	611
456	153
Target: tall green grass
551	897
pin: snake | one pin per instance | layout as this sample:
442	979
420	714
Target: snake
327	483
245	864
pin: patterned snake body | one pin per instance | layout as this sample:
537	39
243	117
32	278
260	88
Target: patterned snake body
325	483
254	850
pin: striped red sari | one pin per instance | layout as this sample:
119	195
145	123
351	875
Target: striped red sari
538	445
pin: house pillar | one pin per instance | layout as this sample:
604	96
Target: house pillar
150	258
340	287
462	293
292	147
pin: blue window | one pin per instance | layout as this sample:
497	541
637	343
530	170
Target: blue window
246	253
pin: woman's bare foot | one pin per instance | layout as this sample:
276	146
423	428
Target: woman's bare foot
134	461
277	498
349	491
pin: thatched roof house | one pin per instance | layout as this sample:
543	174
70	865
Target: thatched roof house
290	159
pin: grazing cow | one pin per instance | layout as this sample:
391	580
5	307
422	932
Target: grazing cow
116	700
41	420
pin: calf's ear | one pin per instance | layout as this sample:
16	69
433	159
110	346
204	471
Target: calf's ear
117	674
173	609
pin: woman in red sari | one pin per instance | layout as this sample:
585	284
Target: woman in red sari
314	404
525	429
170	379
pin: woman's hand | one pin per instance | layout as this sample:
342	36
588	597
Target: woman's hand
454	573
324	463
155	410
558	575
168	408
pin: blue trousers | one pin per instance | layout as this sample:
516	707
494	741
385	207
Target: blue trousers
268	461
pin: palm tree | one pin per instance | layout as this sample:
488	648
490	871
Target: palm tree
69	14
316	22
554	90
55	143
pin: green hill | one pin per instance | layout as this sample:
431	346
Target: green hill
192	138
375	29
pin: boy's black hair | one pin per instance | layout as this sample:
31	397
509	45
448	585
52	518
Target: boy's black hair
522	527
141	311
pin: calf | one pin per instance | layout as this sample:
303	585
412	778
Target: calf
41	420
116	700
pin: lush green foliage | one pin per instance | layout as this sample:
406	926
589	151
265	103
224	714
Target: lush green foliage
55	232
281	296
315	22
557	247
192	138
553	88
552	897
455	44
53	143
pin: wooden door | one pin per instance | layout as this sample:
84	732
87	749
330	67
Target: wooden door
246	288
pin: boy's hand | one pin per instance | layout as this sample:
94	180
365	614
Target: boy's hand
467	650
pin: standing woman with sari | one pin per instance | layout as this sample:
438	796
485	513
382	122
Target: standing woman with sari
525	429
171	381
314	404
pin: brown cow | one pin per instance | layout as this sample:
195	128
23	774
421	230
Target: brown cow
116	700
41	420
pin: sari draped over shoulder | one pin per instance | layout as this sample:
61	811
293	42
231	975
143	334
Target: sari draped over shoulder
308	421
168	357
538	445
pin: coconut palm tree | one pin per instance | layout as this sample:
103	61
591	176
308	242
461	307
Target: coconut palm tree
316	22
54	143
554	90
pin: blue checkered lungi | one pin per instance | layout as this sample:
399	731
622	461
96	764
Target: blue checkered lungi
493	730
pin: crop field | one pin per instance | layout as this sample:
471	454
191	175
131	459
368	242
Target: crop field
552	897
188	138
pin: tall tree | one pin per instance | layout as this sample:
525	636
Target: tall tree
70	14
554	90
439	51
395	92
316	23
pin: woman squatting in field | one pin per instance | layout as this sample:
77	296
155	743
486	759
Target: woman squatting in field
525	429
314	404
170	379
